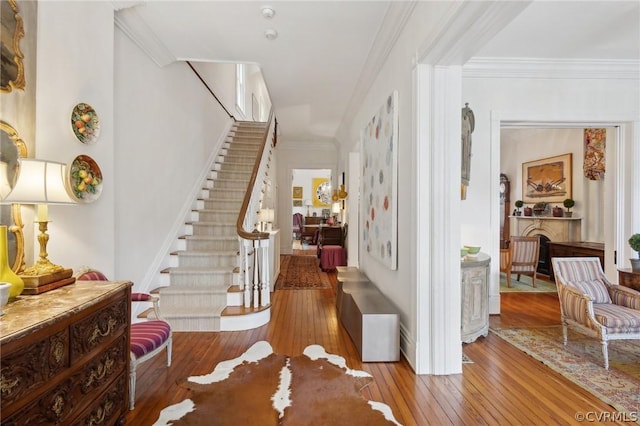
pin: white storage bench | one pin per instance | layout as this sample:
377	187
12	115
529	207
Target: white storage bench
368	316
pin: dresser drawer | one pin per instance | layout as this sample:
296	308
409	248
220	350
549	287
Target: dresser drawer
27	368
95	330
65	356
75	394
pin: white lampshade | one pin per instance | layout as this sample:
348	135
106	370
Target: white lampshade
40	182
308	203
335	208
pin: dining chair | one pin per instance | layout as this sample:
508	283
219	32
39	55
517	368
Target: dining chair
522	258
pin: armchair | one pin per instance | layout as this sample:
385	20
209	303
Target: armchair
147	338
592	305
520	258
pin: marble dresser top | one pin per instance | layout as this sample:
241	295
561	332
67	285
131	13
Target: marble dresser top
26	313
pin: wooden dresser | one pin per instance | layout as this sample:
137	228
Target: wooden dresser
629	278
65	356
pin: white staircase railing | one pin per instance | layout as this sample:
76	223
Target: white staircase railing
254	245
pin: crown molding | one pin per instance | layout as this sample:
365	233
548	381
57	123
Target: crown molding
487	67
392	26
132	24
466	28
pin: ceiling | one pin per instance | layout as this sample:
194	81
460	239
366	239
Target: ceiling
314	66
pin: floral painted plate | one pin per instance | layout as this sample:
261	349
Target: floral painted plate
85	179
85	123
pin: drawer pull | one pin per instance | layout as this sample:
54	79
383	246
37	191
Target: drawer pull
98	333
99	373
99	416
6	386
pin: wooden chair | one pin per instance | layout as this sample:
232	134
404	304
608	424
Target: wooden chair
521	258
592	305
147	338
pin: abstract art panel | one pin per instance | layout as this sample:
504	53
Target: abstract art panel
379	202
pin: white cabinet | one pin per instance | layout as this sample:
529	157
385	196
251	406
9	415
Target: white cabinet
475	297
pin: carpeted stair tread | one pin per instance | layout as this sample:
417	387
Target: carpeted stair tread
191	312
200	270
197	289
210	237
205	253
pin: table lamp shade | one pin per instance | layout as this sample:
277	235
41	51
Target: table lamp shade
40	182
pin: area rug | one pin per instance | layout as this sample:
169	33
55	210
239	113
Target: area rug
524	285
264	388
581	362
300	273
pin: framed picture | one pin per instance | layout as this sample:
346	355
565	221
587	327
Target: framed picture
547	180
297	192
297	203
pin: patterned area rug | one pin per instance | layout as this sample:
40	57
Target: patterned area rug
581	362
524	285
301	273
264	388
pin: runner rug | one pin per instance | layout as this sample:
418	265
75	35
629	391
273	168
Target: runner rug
301	273
263	388
581	362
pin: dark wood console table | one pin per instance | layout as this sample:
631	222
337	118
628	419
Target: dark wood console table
576	249
628	278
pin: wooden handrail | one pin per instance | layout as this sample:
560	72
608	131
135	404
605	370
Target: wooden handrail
210	91
255	235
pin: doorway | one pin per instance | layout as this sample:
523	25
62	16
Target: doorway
311	191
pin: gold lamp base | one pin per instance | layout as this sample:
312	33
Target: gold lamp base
43	271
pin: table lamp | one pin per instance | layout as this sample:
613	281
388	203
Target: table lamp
41	183
308	203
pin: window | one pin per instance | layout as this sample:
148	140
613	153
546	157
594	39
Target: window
240	88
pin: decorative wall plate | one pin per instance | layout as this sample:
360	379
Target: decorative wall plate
85	179
85	123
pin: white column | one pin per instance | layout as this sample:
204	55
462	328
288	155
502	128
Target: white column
438	146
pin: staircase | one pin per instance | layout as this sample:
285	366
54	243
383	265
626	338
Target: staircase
199	291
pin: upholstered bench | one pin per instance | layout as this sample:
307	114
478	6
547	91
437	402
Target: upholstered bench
331	257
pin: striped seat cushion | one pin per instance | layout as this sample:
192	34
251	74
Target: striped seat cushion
594	288
617	319
147	336
92	275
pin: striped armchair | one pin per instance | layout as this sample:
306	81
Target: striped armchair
147	338
521	258
593	306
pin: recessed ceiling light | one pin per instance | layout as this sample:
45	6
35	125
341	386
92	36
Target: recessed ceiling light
270	34
268	12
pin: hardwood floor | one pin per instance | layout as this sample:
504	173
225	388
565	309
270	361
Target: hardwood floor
502	386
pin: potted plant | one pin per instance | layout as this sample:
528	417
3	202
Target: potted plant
634	243
518	205
568	203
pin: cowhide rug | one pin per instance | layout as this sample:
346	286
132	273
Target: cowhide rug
264	388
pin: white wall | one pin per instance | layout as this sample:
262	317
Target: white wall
76	64
168	129
159	128
533	100
221	78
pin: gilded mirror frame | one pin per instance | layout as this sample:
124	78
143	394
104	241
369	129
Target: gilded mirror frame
11	77
12	211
